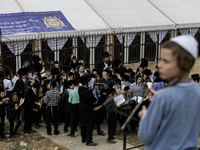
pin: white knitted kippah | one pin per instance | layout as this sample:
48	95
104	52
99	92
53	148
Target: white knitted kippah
188	42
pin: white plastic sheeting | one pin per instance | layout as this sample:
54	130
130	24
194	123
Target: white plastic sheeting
189	31
131	37
89	42
153	35
56	43
17	47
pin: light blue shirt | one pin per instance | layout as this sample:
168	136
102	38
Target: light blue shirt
172	121
74	97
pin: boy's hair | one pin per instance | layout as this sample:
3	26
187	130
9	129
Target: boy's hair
118	81
185	60
14	93
53	83
126	88
75	82
7	73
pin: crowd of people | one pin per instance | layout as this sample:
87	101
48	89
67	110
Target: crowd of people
70	94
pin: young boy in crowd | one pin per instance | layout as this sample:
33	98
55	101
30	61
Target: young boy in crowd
74	107
112	118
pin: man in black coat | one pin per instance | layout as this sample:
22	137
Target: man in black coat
103	64
117	64
86	111
30	106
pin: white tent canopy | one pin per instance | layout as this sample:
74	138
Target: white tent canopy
184	13
98	17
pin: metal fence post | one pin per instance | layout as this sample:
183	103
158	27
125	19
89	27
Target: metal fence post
124	143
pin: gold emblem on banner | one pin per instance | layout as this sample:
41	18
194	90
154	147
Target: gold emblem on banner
53	22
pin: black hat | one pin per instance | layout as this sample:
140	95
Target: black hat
87	66
71	74
126	77
84	79
2	75
56	62
116	70
74	65
36	58
105	54
130	70
37	67
116	63
94	69
142	65
144	62
36	85
28	69
147	72
74	57
195	76
114	77
93	75
111	90
22	71
55	71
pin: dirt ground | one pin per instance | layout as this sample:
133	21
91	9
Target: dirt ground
28	142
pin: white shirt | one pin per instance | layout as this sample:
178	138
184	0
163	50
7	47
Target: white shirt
8	84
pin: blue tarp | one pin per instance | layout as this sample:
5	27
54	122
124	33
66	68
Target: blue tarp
30	22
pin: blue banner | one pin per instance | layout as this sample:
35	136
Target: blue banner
30	22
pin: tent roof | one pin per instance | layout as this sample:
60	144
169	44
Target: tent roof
110	16
183	13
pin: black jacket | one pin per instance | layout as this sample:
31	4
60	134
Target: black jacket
65	101
30	100
2	109
122	69
100	65
86	105
19	88
11	111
